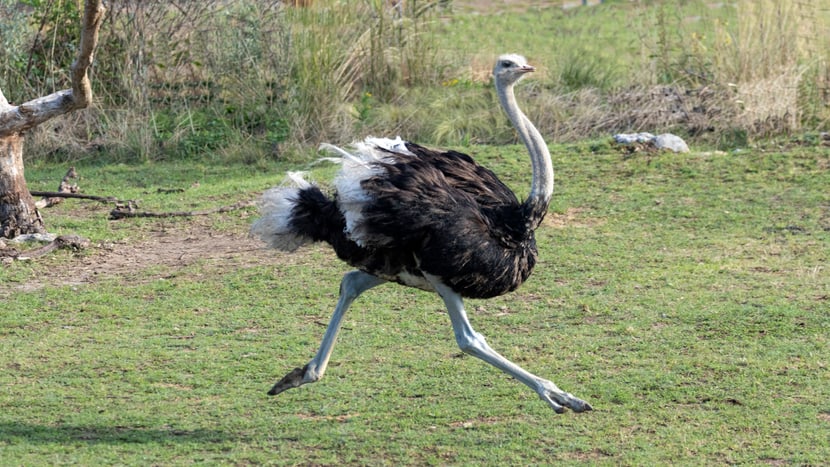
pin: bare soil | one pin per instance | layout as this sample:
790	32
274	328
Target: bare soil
167	251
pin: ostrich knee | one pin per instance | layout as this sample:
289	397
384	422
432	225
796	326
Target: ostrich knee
471	343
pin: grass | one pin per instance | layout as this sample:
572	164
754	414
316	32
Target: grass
684	296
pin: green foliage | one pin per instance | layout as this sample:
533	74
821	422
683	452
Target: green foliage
211	75
38	63
59	27
684	296
343	52
274	81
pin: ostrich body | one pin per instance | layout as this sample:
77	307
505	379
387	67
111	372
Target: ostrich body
434	220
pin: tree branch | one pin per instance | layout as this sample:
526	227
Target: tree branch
63	188
62	194
72	242
81	87
124	209
128	210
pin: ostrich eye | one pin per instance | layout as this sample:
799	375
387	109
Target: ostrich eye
506	64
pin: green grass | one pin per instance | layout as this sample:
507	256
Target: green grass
616	44
686	297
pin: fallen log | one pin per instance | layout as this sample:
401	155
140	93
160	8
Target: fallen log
124	211
58	194
72	242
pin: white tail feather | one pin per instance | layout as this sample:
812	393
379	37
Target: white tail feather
395	145
276	205
332	148
297	179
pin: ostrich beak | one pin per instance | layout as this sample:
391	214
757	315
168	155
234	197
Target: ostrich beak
527	69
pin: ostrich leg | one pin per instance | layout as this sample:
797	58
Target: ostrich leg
353	284
473	343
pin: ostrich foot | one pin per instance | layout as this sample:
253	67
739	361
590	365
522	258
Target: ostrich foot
559	399
294	379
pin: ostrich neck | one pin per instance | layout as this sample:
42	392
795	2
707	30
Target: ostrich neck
541	188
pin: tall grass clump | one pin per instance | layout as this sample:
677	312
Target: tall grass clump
350	57
247	79
763	59
258	79
757	62
579	70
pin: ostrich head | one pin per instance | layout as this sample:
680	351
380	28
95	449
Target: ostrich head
509	69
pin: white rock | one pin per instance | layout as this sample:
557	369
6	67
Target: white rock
664	141
631	138
44	238
672	142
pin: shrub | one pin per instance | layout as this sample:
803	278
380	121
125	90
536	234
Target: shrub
763	58
257	79
183	77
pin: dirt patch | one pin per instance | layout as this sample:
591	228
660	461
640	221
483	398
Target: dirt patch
165	252
572	217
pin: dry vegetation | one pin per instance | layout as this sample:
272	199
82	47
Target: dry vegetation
256	79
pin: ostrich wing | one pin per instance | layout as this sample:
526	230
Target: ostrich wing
464	174
428	193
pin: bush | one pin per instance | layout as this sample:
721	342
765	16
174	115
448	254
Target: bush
764	58
257	79
176	79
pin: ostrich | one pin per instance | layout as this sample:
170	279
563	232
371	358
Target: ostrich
433	220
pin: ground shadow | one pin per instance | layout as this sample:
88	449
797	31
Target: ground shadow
12	433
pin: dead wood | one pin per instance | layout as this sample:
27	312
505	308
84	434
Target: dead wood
129	209
19	213
123	211
71	242
17	119
58	194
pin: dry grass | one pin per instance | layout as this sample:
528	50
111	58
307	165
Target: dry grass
256	79
769	106
765	65
762	75
587	112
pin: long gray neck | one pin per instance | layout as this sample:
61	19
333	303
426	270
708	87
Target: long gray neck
541	188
